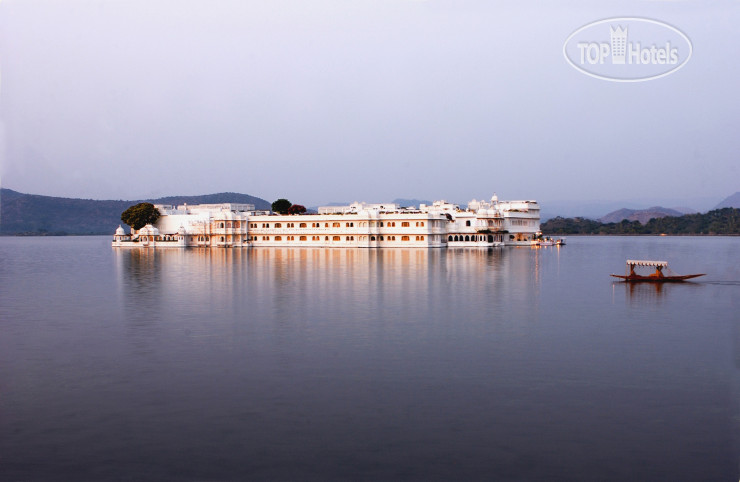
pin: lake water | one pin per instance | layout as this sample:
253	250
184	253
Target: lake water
324	364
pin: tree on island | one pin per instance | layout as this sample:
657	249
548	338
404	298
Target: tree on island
281	206
140	215
296	209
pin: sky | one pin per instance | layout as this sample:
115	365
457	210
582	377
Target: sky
324	101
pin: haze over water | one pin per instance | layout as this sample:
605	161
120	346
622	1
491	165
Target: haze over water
406	364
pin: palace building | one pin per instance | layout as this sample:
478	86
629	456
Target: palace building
491	223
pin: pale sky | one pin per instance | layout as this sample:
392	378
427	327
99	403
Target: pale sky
322	101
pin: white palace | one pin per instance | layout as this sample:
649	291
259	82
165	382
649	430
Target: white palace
483	224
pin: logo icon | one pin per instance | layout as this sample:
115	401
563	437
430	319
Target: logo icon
627	49
619	44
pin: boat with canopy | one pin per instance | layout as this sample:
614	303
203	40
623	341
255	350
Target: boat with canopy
662	272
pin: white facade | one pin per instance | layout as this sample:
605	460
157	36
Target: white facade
483	224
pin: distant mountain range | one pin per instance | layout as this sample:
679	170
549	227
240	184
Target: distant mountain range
718	221
730	202
47	215
22	213
642	215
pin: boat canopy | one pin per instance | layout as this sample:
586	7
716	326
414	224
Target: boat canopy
637	262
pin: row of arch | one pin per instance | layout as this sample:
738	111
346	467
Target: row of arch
470	238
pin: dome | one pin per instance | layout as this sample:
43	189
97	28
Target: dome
149	230
181	230
120	231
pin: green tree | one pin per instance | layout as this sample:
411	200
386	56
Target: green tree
281	206
140	215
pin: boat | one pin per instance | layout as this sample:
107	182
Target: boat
547	241
661	274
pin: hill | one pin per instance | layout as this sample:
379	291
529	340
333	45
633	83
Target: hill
730	202
718	221
48	215
642	215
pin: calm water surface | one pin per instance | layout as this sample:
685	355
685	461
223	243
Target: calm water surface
323	364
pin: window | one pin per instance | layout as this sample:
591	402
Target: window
405	238
372	238
467	238
335	225
326	225
302	238
467	223
302	225
278	225
336	238
221	225
278	238
420	238
405	224
449	238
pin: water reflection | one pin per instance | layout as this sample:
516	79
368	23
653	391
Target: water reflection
289	285
646	293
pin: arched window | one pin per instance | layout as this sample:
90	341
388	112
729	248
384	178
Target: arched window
222	239
467	238
449	238
221	226
372	238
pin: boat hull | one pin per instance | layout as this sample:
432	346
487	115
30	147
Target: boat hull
656	279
